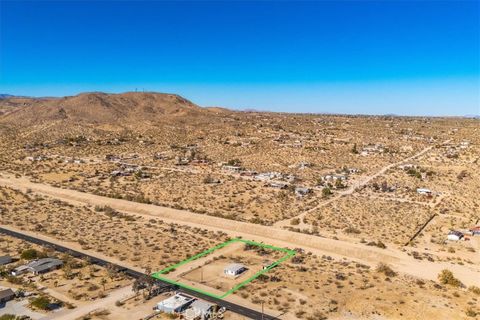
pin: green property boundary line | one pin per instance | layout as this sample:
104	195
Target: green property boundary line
288	254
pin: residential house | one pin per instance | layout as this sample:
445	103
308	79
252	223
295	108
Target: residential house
334	177
234	269
278	185
475	230
424	191
175	304
302	191
38	266
199	309
234	169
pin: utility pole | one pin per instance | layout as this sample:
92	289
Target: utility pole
262	310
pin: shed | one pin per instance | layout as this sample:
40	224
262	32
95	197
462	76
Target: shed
454	235
6	294
234	269
424	191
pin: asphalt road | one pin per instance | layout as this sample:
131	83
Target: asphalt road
246	312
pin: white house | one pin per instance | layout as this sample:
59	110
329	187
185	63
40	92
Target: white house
454	236
424	191
175	304
234	269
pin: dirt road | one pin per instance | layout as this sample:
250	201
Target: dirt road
351	189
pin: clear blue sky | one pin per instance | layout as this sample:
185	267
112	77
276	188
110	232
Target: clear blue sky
404	57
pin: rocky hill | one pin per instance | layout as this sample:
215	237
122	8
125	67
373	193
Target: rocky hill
96	108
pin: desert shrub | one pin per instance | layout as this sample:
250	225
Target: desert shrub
379	244
326	192
295	221
474	289
446	277
30	254
386	270
351	230
41	302
471	313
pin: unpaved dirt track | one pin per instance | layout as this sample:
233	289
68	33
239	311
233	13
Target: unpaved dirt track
78	312
400	261
351	189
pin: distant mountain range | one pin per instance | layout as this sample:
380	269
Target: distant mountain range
5	96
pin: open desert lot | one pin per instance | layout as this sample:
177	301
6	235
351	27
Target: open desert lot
368	213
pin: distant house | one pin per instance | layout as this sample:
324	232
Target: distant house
454	235
301	191
475	230
334	177
234	269
199	310
175	304
5	260
38	266
407	166
278	185
264	176
424	191
234	169
248	173
303	165
6	294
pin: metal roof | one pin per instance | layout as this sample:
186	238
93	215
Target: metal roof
234	267
201	305
176	301
6	293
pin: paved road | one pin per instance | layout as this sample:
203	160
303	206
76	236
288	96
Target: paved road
247	312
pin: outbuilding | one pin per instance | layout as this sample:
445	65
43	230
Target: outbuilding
454	236
6	294
424	191
234	269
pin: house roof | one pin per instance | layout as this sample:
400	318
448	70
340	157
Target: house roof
6	293
44	264
5	259
176	301
234	267
201	305
457	233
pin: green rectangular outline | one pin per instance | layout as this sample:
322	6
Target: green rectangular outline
289	254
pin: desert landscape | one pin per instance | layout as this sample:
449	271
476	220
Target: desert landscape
147	180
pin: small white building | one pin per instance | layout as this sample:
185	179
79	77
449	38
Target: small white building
454	236
424	191
175	304
334	177
234	269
